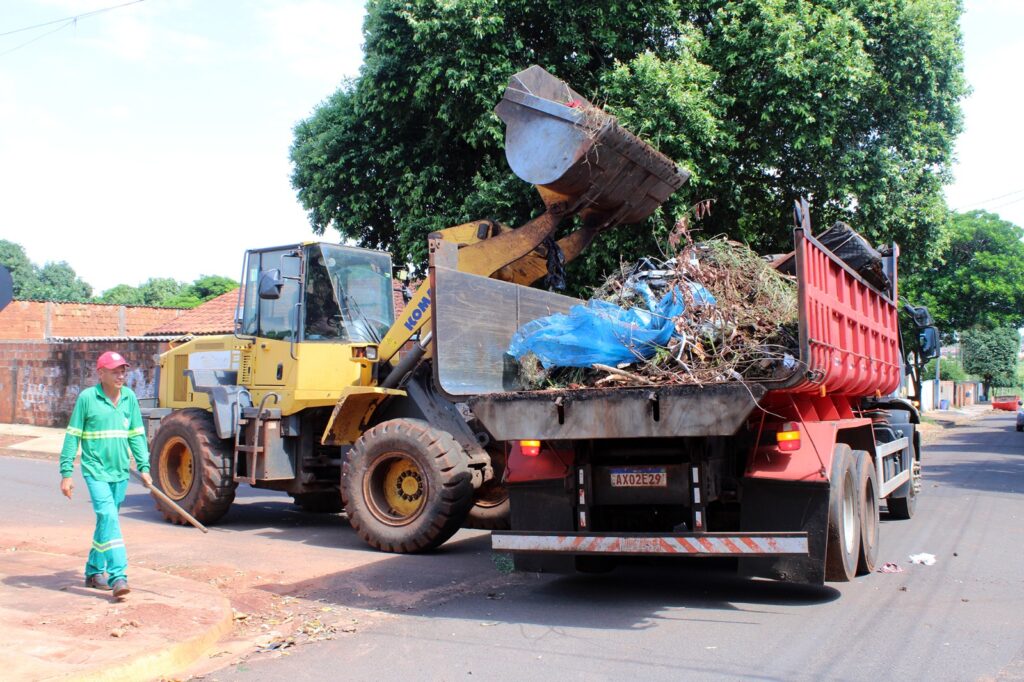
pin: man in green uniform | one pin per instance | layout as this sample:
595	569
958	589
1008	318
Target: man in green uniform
107	423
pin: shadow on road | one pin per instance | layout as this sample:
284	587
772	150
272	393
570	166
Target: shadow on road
462	581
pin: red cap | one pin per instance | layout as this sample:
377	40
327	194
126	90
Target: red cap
111	360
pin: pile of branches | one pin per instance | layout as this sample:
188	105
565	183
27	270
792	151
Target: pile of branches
748	333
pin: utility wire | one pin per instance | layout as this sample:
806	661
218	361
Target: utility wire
71	19
985	201
38	37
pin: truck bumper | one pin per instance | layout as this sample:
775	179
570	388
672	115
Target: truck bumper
647	544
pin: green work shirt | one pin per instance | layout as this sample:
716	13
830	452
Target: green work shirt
106	433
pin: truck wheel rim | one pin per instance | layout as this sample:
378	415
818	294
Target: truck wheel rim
176	473
395	489
849	517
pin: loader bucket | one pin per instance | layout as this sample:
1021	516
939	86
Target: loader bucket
557	140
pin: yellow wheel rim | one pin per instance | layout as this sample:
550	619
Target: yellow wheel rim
175	468
396	489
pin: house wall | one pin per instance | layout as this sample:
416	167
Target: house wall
40	379
47	319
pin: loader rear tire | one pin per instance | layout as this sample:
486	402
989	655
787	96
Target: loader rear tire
490	510
842	547
319	503
406	486
193	466
869	516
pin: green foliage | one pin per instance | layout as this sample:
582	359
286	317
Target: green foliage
23	273
991	354
854	102
949	370
51	282
978	277
169	293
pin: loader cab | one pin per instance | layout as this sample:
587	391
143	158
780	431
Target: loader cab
317	293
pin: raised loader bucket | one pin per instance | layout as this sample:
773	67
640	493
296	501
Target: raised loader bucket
557	140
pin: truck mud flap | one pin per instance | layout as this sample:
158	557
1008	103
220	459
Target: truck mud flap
792	507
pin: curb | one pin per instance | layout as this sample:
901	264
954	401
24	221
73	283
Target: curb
170	660
162	659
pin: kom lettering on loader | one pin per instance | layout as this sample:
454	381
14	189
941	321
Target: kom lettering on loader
312	396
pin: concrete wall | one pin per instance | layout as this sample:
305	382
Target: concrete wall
47	319
40	380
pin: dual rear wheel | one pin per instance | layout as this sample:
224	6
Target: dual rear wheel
853	515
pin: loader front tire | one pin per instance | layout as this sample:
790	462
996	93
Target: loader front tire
406	486
842	548
192	466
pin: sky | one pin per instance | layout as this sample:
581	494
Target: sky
152	140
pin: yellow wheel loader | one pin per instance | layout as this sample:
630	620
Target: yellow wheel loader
322	394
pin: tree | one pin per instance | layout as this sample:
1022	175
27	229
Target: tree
992	355
949	370
211	286
23	272
978	277
122	294
854	102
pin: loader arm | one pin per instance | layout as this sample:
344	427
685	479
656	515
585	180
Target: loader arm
581	162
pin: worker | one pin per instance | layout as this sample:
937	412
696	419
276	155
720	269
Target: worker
108	424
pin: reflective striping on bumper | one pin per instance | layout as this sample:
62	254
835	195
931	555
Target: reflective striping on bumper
709	544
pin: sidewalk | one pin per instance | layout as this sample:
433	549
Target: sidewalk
52	626
22	440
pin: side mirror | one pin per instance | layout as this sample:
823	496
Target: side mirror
920	315
928	339
270	285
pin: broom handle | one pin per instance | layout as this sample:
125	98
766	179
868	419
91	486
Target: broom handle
171	503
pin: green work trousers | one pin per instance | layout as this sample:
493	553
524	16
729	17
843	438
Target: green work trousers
108	554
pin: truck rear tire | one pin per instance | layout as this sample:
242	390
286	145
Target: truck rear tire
842	548
319	503
192	466
869	516
406	486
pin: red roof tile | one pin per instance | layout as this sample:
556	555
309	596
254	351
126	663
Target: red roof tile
216	316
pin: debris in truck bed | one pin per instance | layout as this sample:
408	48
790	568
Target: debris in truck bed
715	312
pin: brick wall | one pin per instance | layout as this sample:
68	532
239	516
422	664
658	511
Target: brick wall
40	380
45	319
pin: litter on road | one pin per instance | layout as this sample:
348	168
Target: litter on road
890	567
922	558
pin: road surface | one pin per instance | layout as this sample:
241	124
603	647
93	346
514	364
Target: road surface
457	615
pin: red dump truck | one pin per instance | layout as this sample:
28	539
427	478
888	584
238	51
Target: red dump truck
786	475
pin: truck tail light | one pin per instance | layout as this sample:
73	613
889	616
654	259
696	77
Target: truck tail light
788	437
530	448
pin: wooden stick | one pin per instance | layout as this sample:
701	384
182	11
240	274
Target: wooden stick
171	503
623	373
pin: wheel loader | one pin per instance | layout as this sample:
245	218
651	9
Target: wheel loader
321	393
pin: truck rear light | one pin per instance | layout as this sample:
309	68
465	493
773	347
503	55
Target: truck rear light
530	448
788	437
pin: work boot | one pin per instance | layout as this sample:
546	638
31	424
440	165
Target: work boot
120	587
97	581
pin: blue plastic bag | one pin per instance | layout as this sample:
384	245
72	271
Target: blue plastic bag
603	333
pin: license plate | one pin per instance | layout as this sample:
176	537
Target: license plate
647	477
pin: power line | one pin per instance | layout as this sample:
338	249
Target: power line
1008	203
985	201
38	37
62	24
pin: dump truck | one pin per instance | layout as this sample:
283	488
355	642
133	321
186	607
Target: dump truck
417	426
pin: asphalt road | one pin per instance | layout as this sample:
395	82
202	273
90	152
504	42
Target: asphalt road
455	615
